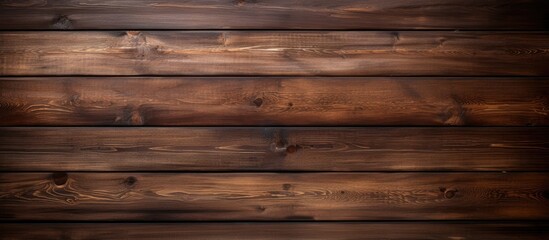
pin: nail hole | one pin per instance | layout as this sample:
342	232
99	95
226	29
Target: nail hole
60	178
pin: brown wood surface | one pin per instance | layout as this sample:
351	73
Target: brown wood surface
364	53
272	231
274	149
274	101
270	196
274	14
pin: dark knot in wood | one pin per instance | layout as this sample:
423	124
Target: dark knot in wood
291	149
130	181
286	186
258	102
62	22
448	193
260	208
60	178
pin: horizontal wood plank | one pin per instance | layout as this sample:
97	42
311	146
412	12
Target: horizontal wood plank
274	101
272	231
274	149
275	14
268	196
355	53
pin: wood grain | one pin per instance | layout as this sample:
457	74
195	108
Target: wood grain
355	53
268	196
272	231
274	149
274	101
275	14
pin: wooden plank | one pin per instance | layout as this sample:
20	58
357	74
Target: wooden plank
274	101
270	196
274	149
274	53
275	14
266	231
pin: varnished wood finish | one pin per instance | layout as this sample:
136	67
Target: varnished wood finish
364	53
274	101
268	196
275	14
274	119
276	231
274	149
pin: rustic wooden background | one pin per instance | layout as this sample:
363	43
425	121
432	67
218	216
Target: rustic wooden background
274	119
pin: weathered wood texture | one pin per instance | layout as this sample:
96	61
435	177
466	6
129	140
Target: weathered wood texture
268	196
272	231
274	149
274	53
275	14
264	94
274	101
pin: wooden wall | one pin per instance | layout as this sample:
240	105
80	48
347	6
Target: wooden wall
274	119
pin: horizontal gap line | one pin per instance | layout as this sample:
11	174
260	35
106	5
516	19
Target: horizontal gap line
494	30
282	171
272	126
276	76
541	77
443	221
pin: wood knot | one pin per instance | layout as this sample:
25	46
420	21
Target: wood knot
136	39
60	178
62	22
441	41
279	141
396	36
130	115
258	102
286	186
130	181
136	42
292	149
136	118
260	208
74	99
448	193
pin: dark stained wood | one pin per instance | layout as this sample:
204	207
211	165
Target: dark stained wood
268	196
274	119
274	14
272	231
274	149
274	53
274	101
